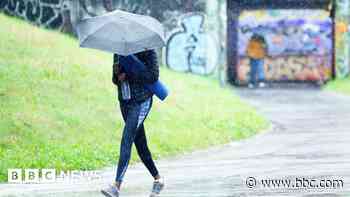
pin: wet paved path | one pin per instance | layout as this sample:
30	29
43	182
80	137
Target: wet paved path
310	138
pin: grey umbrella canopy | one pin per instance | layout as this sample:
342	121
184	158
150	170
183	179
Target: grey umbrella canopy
121	32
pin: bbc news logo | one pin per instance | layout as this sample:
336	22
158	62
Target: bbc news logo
31	175
19	176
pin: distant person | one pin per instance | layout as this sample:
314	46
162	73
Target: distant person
257	51
135	103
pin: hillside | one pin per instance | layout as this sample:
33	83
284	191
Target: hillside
58	106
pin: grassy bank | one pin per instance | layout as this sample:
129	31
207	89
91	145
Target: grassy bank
58	107
341	86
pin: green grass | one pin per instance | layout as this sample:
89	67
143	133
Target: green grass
341	86
58	107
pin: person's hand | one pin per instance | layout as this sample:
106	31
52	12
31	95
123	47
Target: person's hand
122	77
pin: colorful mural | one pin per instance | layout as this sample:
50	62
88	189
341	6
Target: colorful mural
299	47
342	38
190	48
290	68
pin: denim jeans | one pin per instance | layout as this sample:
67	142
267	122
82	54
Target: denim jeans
257	72
134	114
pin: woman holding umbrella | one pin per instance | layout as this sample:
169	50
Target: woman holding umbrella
135	103
136	73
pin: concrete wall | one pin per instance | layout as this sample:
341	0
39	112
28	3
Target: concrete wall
201	49
198	43
64	14
47	13
58	14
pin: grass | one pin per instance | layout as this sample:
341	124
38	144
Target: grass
58	107
341	86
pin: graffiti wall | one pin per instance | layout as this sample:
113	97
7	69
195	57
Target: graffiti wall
190	48
291	68
342	38
202	48
188	42
46	13
59	14
54	14
198	43
299	47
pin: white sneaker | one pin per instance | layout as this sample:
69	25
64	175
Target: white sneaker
262	85
158	186
110	191
250	86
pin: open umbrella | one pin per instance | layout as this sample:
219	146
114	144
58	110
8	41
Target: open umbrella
121	32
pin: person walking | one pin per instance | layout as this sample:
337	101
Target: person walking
257	51
135	103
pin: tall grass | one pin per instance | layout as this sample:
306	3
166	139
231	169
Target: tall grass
341	86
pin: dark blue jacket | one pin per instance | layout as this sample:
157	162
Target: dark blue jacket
137	81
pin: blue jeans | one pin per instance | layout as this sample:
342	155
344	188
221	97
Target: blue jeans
134	114
257	73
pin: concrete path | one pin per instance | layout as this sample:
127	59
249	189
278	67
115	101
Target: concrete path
310	139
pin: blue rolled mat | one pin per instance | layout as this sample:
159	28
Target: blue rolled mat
133	65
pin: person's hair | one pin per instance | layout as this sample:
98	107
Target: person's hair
258	37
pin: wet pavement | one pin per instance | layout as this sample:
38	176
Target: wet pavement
309	141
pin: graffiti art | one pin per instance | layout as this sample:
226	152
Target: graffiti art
190	48
299	47
342	38
50	13
45	13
